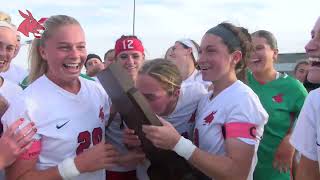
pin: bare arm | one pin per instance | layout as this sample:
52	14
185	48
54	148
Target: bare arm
25	169
234	165
100	156
307	169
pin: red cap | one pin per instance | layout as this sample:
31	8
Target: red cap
128	43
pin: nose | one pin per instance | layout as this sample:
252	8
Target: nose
309	46
200	58
130	60
74	52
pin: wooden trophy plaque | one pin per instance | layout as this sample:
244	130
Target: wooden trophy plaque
135	110
129	102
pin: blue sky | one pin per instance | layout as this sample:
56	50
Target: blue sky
159	23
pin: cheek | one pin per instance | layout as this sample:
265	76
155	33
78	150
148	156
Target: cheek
314	76
139	63
158	106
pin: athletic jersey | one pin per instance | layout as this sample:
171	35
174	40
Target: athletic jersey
306	135
238	111
15	74
67	124
24	84
9	90
196	76
282	98
183	116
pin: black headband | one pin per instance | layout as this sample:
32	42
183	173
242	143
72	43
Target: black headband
228	36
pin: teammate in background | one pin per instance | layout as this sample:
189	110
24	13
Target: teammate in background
185	54
11	71
228	153
109	57
69	143
282	96
301	70
129	51
168	53
93	65
306	135
8	43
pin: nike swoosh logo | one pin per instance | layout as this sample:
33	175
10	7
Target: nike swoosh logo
317	143
60	126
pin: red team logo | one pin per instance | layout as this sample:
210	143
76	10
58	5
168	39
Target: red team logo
31	25
278	98
209	118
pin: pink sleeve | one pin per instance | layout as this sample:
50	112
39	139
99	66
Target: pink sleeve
33	152
240	130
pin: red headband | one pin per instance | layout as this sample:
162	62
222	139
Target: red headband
128	44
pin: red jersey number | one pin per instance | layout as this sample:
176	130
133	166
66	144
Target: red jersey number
84	138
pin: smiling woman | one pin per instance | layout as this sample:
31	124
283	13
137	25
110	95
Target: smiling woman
282	96
69	143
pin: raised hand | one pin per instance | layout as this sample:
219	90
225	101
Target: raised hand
15	142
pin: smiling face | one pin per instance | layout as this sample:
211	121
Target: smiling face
94	66
160	101
215	61
263	56
8	44
181	57
301	72
313	52
65	53
131	61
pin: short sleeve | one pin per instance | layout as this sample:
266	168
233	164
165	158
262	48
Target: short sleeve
246	119
304	137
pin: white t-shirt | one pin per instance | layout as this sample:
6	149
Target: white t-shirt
15	74
196	76
306	135
236	104
183	116
9	90
67	123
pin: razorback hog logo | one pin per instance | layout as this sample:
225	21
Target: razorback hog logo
31	25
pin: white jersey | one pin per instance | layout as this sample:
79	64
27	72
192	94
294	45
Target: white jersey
9	90
235	104
67	123
15	74
196	76
306	135
183	116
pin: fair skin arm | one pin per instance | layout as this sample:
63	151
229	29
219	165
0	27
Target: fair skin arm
307	169
284	155
100	156
13	144
234	165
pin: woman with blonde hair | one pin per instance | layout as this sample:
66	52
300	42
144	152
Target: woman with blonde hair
69	143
